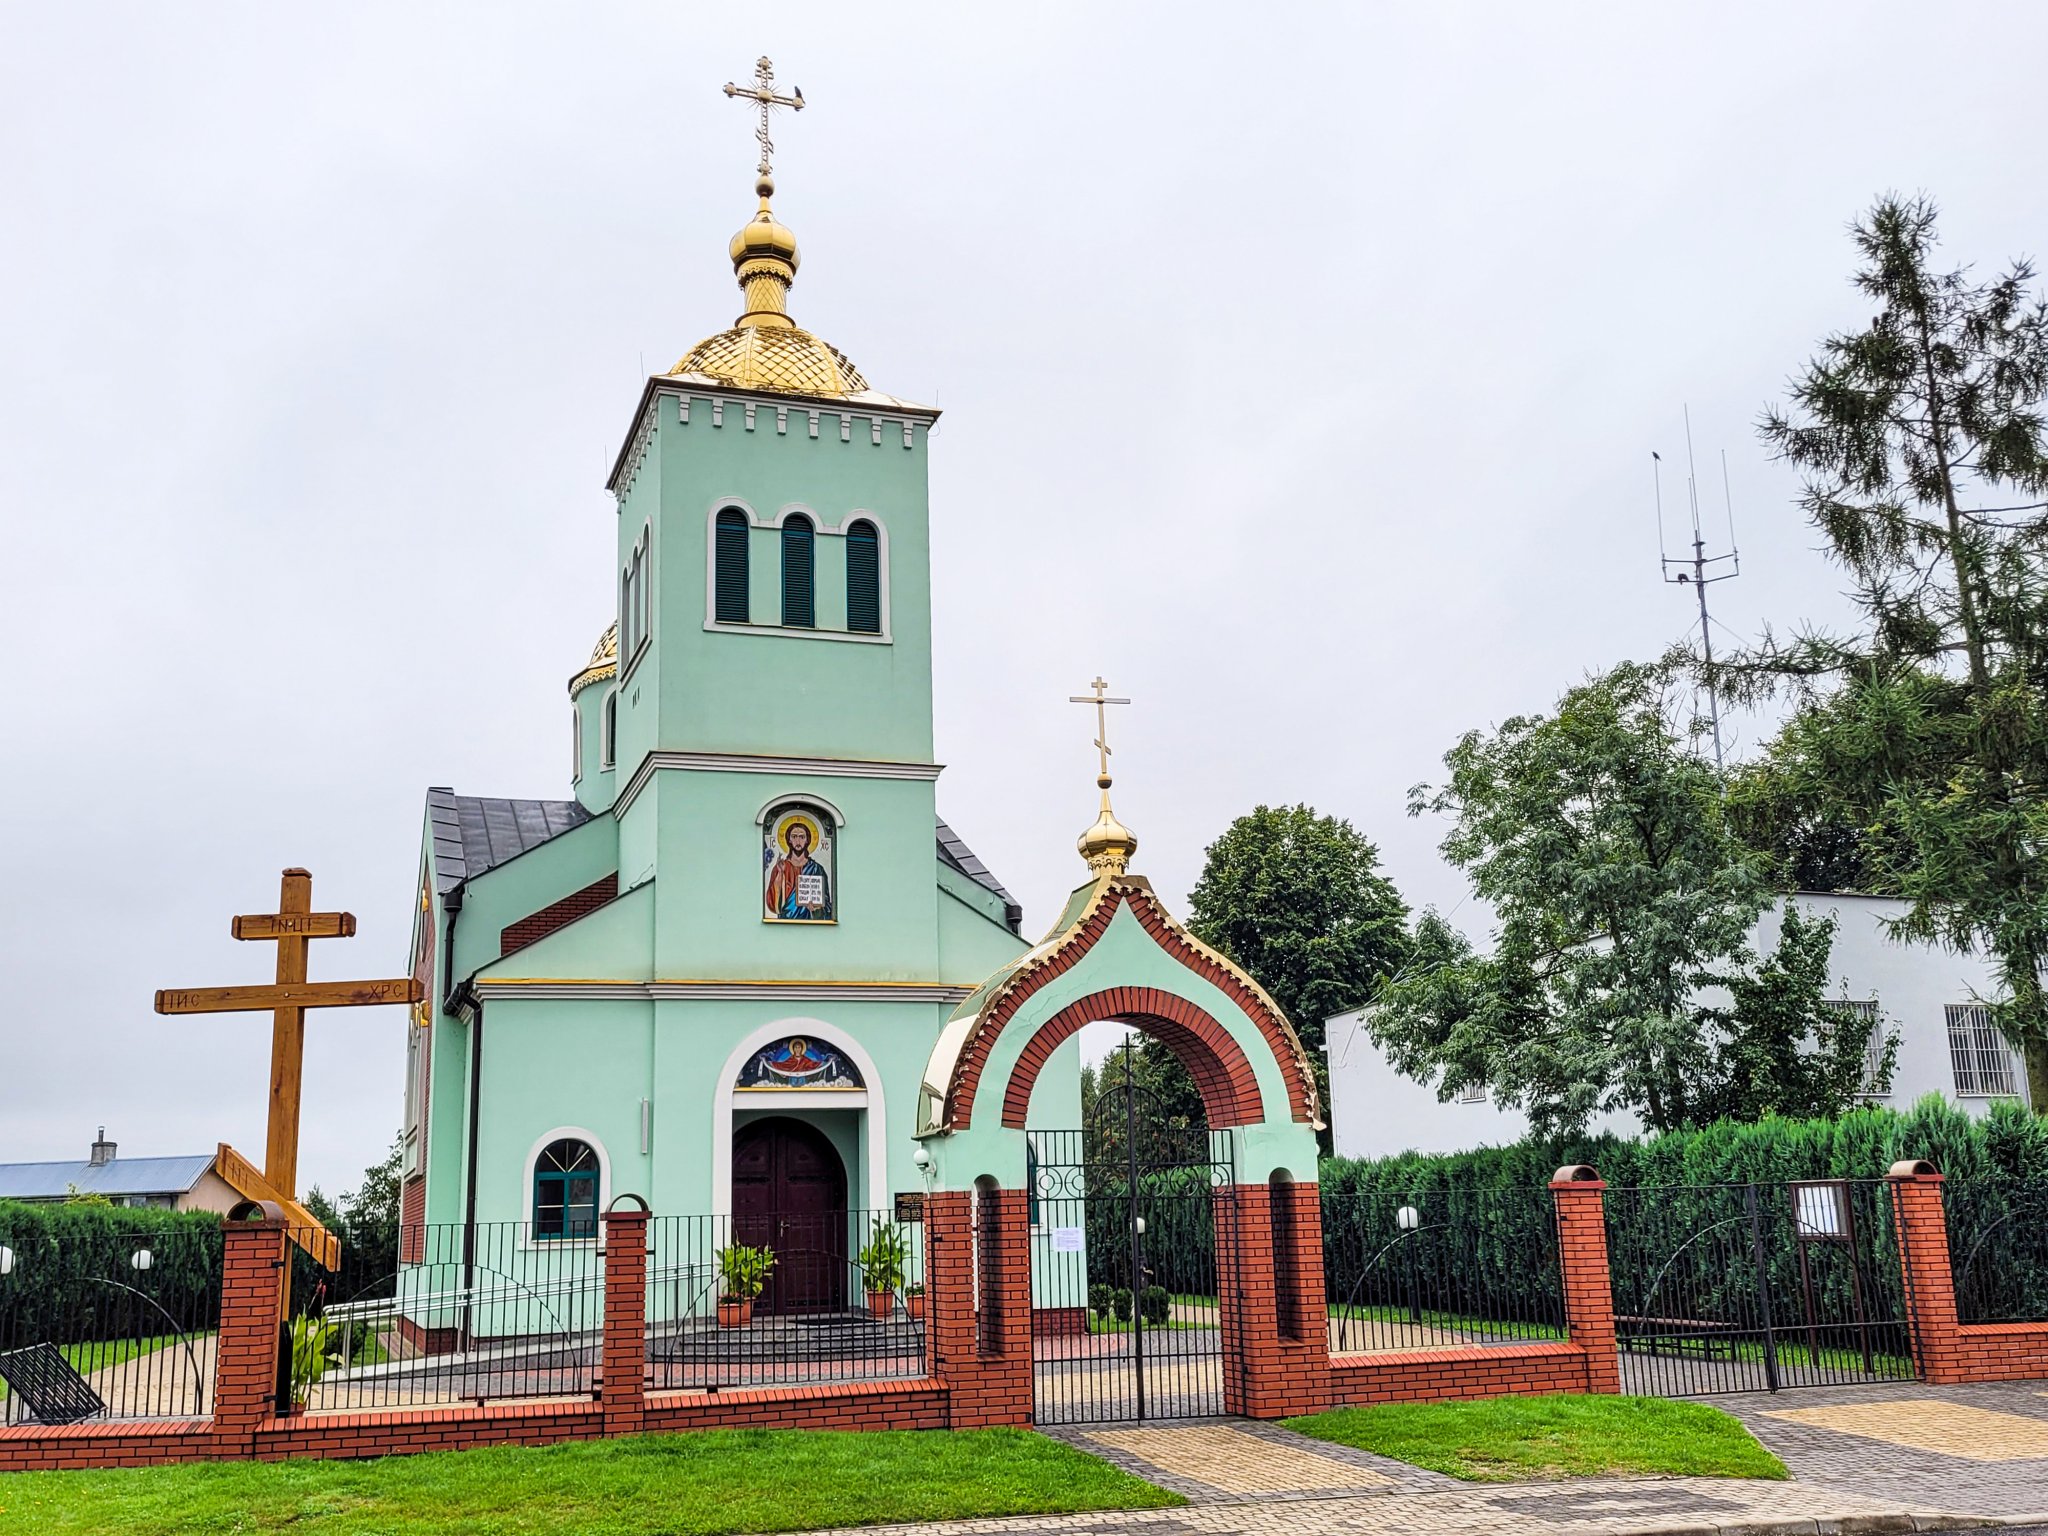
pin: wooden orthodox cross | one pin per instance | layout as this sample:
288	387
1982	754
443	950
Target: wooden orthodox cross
291	927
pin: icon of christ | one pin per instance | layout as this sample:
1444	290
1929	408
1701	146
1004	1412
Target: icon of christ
799	881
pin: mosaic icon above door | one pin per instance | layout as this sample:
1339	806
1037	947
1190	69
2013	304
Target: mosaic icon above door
799	1062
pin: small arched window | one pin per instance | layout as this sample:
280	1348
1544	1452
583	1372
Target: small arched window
608	731
729	568
565	1190
799	585
863	579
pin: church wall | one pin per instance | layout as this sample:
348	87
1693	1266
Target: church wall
611	944
521	887
710	921
597	785
974	941
553	1064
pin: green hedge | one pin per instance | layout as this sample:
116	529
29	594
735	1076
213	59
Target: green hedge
1676	1240
2011	1143
73	1279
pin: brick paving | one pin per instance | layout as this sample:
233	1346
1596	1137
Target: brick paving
1254	1479
1981	1449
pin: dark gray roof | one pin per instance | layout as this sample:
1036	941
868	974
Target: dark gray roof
473	833
119	1176
954	852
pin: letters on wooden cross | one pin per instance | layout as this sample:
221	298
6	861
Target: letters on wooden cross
291	927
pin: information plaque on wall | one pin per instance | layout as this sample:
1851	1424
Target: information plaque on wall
910	1208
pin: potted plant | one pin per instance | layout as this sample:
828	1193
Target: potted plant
882	1262
313	1351
742	1272
913	1299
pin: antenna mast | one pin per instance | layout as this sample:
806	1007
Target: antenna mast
1699	570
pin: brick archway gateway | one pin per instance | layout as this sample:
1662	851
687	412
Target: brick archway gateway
1116	954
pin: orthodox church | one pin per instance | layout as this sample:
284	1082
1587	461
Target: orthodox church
714	976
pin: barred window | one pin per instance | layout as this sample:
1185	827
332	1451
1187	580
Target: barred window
1979	1054
1852	1012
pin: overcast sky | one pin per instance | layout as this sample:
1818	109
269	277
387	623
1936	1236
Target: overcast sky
1301	369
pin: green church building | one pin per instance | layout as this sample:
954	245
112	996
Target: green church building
713	978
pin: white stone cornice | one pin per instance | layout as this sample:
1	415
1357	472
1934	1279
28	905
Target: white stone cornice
730	762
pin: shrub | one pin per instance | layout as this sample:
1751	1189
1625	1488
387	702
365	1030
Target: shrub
1100	1300
1121	1303
1156	1303
74	1279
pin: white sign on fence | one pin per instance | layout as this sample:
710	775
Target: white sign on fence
1066	1239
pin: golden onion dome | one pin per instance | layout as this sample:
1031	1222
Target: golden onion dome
765	349
603	663
1108	845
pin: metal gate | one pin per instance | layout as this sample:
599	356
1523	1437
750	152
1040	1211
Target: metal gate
1125	1322
1757	1287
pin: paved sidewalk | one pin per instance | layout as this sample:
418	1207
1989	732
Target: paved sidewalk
1249	1479
1981	1449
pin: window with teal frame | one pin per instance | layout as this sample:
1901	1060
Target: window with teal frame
565	1191
863	579
799	574
729	568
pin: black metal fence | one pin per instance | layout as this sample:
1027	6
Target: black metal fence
1998	1249
467	1314
1441	1268
843	1299
1757	1287
98	1321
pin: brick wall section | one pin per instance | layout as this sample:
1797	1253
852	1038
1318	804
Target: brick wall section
248	1347
1588	1291
1222	1072
982	1387
1267	1375
1946	1349
623	1374
1434	1375
560	914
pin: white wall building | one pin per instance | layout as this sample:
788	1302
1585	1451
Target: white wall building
1946	1042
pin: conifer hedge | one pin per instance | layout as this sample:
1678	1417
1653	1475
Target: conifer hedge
1996	1168
73	1279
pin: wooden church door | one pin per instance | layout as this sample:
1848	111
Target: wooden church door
789	1194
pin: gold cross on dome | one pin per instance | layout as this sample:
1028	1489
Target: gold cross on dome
1099	698
762	93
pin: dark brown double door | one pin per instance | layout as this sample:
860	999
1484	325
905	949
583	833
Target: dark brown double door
789	1194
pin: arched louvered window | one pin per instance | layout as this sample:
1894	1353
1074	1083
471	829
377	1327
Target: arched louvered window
729	567
799	573
863	579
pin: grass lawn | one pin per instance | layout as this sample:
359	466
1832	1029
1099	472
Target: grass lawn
1507	1439
676	1485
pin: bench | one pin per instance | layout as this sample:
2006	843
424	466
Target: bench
45	1381
1672	1335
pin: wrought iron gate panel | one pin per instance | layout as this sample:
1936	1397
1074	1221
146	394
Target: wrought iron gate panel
1757	1287
1126	1319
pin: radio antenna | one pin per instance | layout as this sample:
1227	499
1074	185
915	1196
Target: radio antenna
1699	570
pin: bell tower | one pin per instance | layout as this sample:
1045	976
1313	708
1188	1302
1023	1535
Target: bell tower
774	612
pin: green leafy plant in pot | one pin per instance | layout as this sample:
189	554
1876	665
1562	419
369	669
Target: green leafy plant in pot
313	1350
742	1272
883	1260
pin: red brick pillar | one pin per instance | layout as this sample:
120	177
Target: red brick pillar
1588	1292
1921	1228
254	1267
977	1304
623	1383
1269	1296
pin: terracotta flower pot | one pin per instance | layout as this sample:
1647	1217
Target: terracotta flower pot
913	1304
735	1313
881	1303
